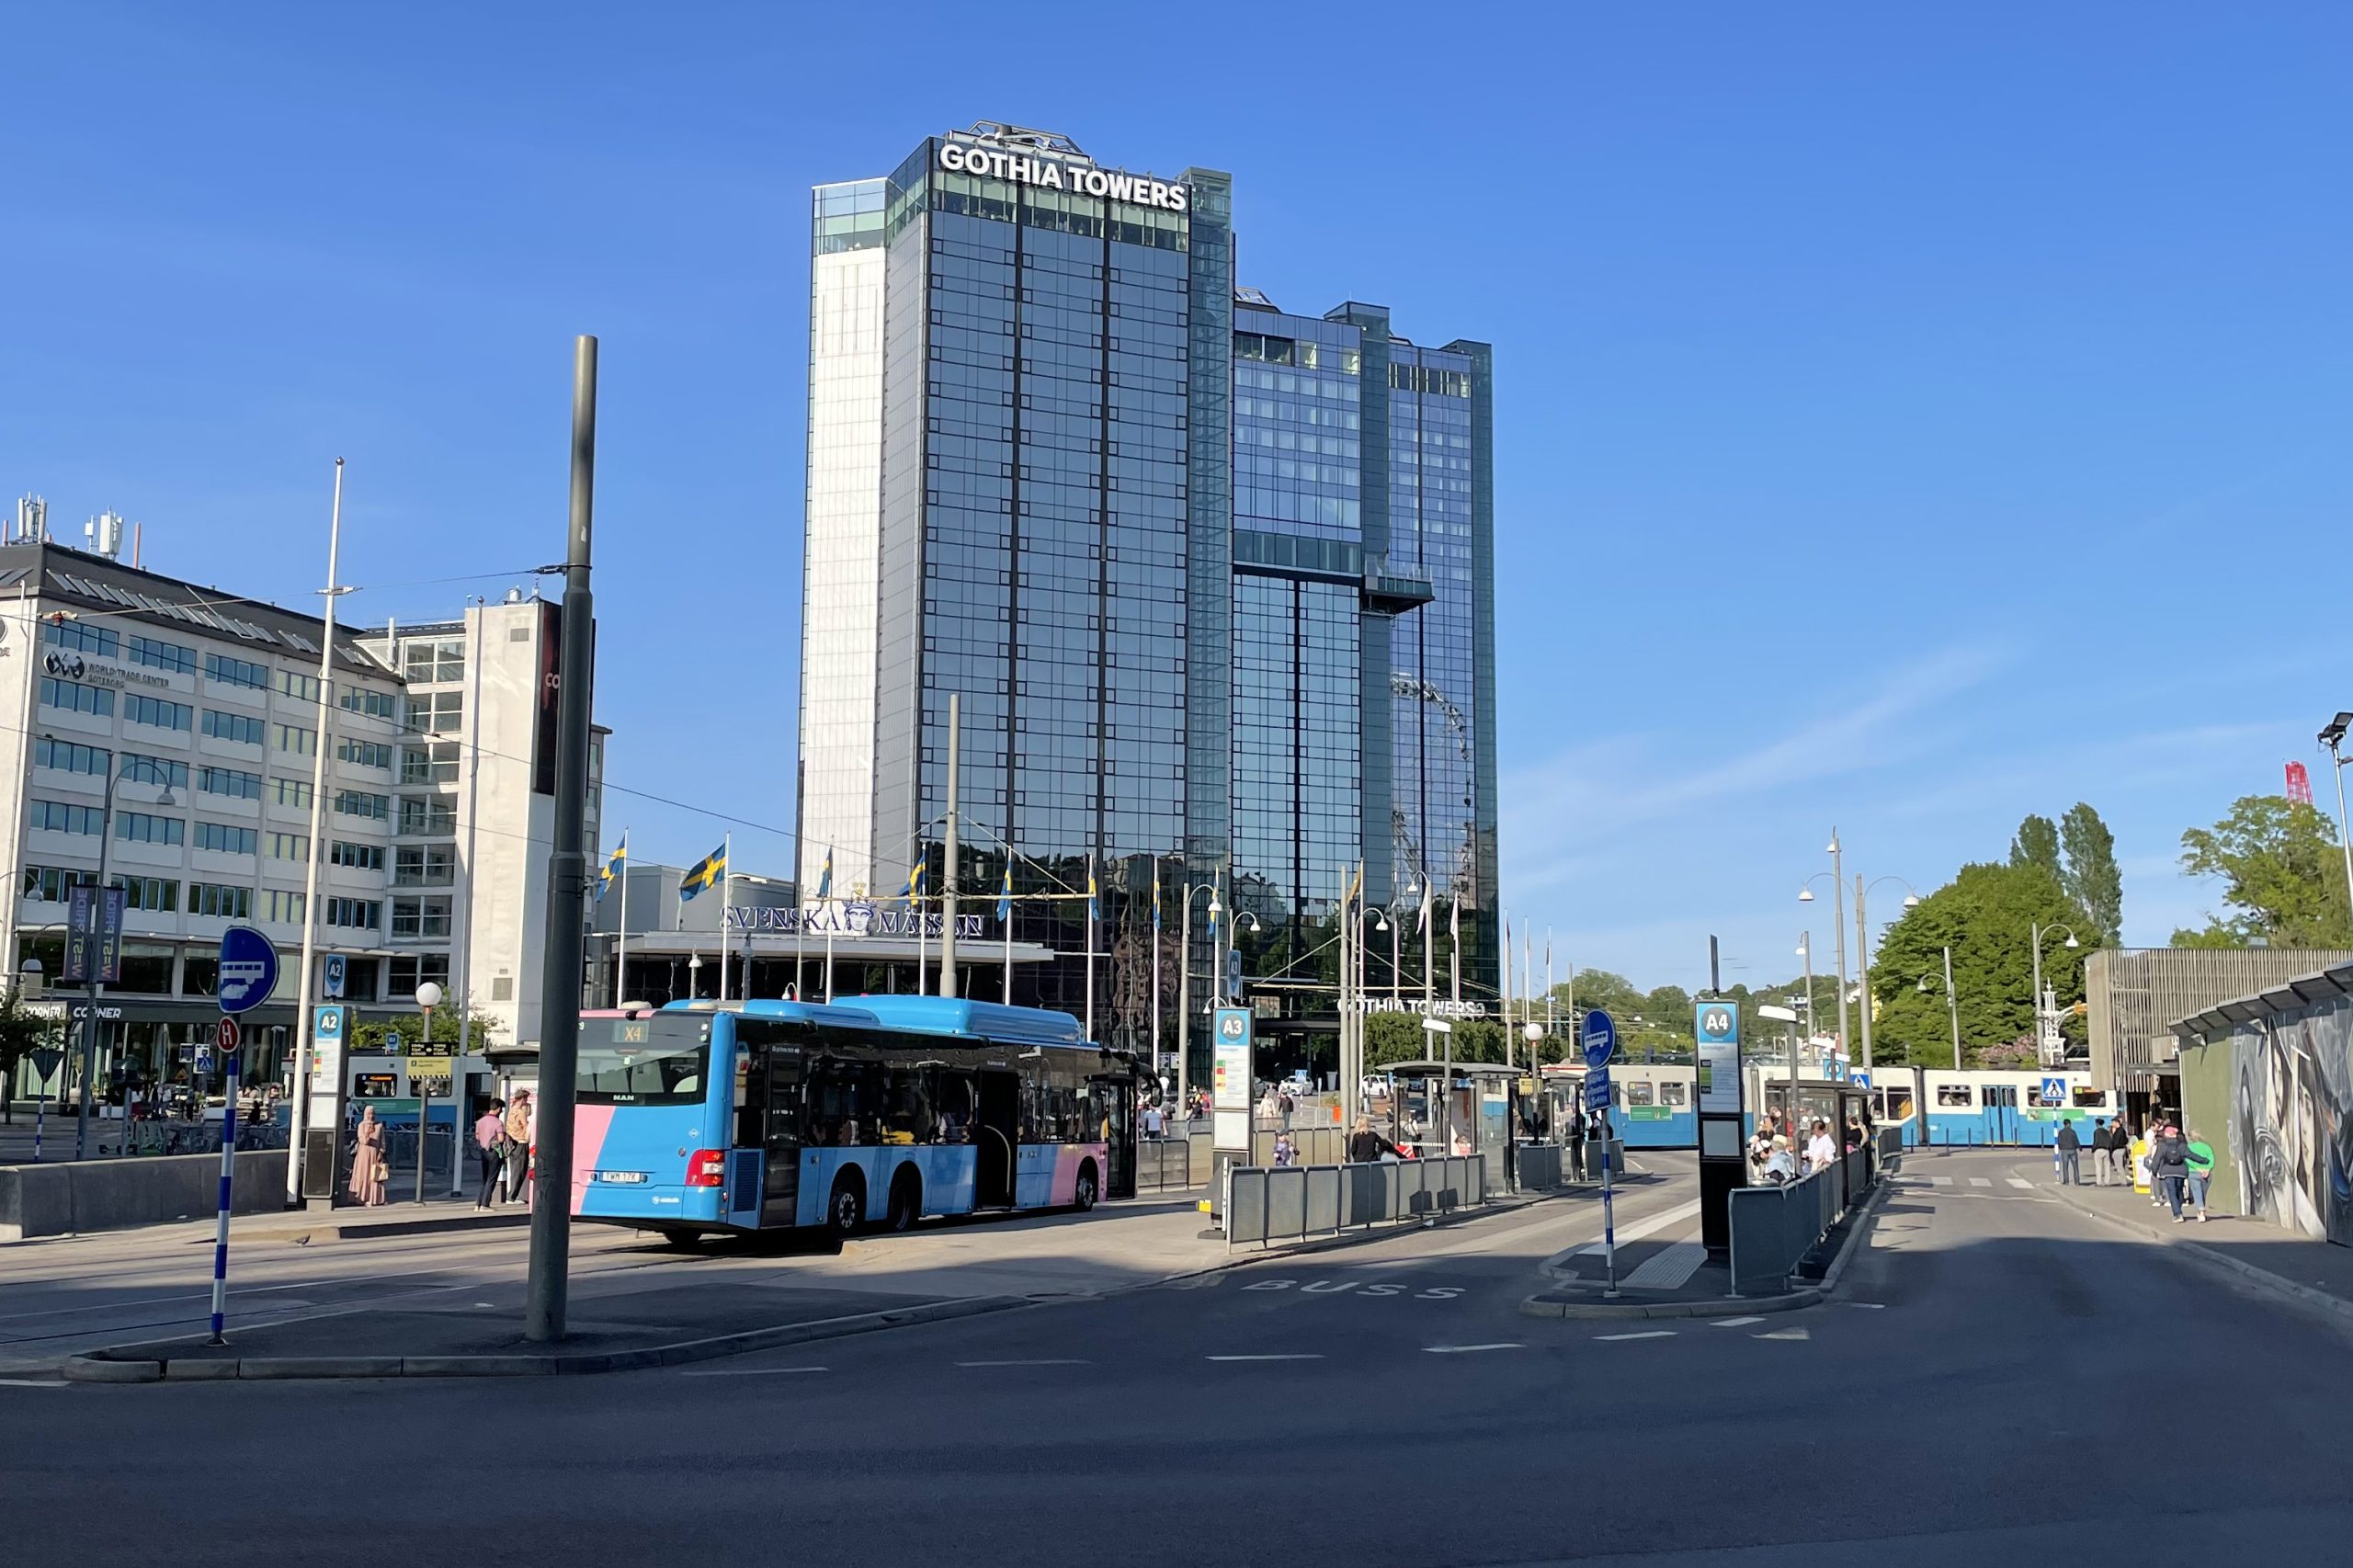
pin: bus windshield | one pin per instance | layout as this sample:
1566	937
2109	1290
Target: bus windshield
658	1061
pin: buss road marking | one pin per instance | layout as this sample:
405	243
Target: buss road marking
1466	1349
1646	1334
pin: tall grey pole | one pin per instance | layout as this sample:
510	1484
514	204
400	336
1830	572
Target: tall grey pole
1838	926
1952	1005
1185	1012
2344	838
464	901
948	872
93	949
1863	969
2034	935
547	1285
297	1119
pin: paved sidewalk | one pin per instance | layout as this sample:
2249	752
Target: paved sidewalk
2270	1255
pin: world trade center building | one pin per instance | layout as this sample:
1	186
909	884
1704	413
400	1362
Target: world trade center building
1211	584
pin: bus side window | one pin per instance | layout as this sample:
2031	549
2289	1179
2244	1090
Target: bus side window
751	1097
907	1115
952	1102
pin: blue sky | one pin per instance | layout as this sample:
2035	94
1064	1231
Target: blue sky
1906	419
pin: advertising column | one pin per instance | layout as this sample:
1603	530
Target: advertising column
322	1131
1230	1095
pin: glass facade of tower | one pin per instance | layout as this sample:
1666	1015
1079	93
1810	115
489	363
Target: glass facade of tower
1199	572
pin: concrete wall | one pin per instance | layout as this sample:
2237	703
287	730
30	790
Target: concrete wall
64	1198
2207	1081
2277	1093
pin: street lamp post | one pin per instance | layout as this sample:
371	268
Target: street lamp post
429	997
116	774
1805	951
2038	933
1863	951
1952	1005
1185	997
2333	737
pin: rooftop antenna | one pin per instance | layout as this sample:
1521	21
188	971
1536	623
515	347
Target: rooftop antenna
103	534
33	520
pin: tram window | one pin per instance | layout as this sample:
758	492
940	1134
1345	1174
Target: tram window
1640	1093
1900	1106
1952	1096
2090	1098
1673	1093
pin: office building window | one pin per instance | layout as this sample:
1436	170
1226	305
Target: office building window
141	827
82	638
74	698
420	917
294	738
235	672
157	894
242	728
57	816
293	792
281	906
408	973
290	846
357	857
220	901
50	884
428	816
224	839
295	683
155	770
355	913
436	763
156	653
368	703
360	803
423	663
230	782
157	712
365	754
67	756
438	712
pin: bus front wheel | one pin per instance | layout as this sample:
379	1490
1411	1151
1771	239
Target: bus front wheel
846	1212
1083	1196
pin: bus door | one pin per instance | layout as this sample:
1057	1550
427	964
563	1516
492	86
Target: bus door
1114	1108
997	1136
2001	1113
780	1191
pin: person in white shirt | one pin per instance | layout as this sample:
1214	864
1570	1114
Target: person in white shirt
1820	1152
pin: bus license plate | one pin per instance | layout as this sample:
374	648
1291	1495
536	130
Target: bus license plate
623	1179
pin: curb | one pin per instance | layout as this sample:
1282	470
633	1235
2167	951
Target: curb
300	1234
1544	1304
100	1367
2200	1253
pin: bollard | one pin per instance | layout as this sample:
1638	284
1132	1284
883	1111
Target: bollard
220	1223
41	1110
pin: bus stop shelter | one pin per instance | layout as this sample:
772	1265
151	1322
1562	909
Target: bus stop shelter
1831	1100
1471	1107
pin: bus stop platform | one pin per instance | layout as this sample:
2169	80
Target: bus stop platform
1665	1273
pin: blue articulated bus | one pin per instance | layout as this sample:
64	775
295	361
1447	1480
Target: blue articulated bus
704	1119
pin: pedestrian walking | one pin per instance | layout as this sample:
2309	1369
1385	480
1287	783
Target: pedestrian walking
2070	1156
1365	1145
2119	1150
1152	1122
368	1160
2169	1164
1573	1144
2201	1171
489	1129
519	1148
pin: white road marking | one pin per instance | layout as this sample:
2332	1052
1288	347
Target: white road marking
1941	1181
1040	1361
750	1372
1979	1181
1782	1334
1292	1358
1466	1349
31	1383
1646	1334
1863	1306
2022	1184
1635	1232
1732	1322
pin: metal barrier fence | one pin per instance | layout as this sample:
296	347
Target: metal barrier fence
1173	1165
1266	1205
1772	1228
1536	1167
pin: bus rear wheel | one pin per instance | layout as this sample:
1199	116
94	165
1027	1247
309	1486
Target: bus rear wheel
682	1241
845	1210
1083	1195
906	1201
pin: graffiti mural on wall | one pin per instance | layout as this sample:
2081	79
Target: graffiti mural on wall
2291	1119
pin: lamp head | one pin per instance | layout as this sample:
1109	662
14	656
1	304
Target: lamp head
1805	894
2071	941
1380	922
2334	733
428	996
1911	900
1831	848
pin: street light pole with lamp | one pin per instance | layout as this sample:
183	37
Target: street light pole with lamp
1952	1005
429	997
1863	948
2037	933
2333	737
1838	929
116	774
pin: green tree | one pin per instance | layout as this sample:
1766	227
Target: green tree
372	1036
1986	914
2091	877
22	1031
2037	843
2283	877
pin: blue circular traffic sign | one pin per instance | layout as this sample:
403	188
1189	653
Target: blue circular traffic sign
248	969
1600	1038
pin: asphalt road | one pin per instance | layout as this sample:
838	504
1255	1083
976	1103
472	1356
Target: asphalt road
2003	1377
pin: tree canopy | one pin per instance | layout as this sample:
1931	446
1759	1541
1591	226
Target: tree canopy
2091	876
1986	914
2282	873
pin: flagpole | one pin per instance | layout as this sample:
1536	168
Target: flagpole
726	898
799	942
923	935
829	943
1454	946
1090	944
1527	986
1155	976
1006	921
620	952
1548	979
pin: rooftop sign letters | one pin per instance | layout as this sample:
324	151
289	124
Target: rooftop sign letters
1049	174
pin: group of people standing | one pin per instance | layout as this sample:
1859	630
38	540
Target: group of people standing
503	1143
2178	1164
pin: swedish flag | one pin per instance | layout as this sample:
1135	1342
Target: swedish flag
913	888
1091	912
612	869
1005	895
825	876
703	873
1156	893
